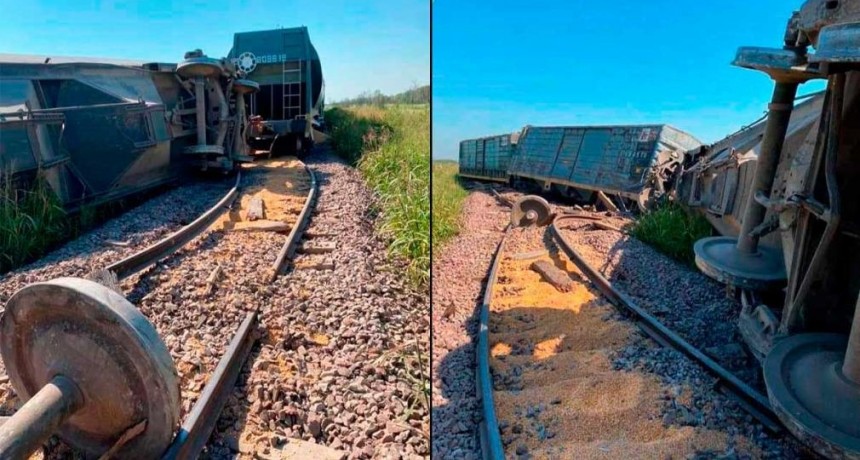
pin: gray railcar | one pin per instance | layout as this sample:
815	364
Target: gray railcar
488	157
633	162
627	162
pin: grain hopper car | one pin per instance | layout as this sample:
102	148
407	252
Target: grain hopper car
783	195
96	130
287	111
487	158
629	164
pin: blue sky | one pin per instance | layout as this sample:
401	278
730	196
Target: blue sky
363	45
499	65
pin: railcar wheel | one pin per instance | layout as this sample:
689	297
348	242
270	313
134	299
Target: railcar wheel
812	396
719	258
199	67
530	210
242	86
97	339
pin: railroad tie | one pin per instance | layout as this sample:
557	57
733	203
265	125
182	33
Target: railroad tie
322	247
255	209
553	275
261	226
315	264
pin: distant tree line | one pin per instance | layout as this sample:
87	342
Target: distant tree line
416	95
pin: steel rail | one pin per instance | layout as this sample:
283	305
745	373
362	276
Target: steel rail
194	433
175	240
491	438
753	401
290	245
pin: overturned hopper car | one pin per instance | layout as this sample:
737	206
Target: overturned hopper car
288	109
717	179
783	195
627	163
99	129
94	130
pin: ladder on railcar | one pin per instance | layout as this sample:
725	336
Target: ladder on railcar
291	88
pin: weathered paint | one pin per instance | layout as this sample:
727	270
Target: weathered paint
487	157
613	159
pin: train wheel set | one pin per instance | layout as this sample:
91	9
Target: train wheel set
93	370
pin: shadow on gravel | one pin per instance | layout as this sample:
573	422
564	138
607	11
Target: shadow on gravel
685	300
626	393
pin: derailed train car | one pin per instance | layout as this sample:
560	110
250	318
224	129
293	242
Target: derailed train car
628	163
288	109
783	194
487	158
96	130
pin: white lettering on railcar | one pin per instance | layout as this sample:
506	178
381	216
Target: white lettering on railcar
247	61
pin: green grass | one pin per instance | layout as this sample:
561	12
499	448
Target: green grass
672	230
31	222
390	146
448	196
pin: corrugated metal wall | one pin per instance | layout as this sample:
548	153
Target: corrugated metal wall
486	157
612	158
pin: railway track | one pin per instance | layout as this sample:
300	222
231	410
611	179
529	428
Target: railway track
547	353
38	418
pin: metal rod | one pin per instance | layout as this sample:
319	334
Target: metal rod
240	127
37	420
837	86
224	113
199	95
72	108
851	366
295	234
778	117
198	426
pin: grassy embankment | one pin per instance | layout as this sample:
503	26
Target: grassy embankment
448	196
672	231
33	221
390	146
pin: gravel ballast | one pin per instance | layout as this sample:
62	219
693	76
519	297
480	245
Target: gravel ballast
344	349
685	300
458	273
343	353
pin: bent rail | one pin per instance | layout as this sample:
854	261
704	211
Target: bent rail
176	240
753	401
290	245
491	438
194	433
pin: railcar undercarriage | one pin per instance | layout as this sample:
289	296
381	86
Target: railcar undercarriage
783	196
